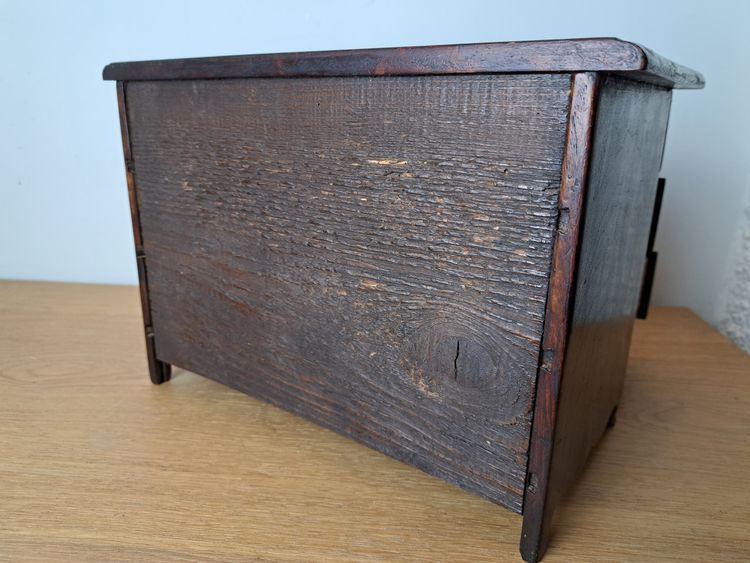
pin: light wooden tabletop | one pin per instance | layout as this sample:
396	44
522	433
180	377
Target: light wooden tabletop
97	464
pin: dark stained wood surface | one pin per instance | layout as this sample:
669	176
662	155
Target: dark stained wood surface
631	124
370	253
158	371
593	54
664	72
537	514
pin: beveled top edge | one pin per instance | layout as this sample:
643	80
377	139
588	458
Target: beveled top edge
604	54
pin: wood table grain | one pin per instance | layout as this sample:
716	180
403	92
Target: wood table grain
97	464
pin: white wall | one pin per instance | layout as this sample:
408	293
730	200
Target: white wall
63	204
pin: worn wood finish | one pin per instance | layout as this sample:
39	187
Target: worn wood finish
537	514
372	254
626	150
158	370
664	72
435	251
99	465
559	56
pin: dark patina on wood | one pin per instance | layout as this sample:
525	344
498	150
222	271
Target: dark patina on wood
614	149
605	54
435	251
158	370
537	507
358	253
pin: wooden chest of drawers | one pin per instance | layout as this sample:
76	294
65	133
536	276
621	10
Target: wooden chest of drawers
435	251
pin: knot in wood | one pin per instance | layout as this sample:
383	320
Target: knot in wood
456	363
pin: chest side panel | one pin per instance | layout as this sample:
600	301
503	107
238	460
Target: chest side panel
628	143
370	253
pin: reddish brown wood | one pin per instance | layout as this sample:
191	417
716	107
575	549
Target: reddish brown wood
569	55
158	370
591	343
125	138
537	512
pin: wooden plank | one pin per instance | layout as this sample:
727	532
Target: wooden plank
537	510
631	124
567	55
158	370
99	465
125	138
371	254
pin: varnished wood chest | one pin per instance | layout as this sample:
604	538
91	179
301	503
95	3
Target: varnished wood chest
435	251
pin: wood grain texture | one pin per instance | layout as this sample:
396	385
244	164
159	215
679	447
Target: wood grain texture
99	465
158	370
566	55
628	142
372	254
664	72
626	151
536	509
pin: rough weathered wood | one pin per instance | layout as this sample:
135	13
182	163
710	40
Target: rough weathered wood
158	371
628	140
568	55
537	515
370	253
662	71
